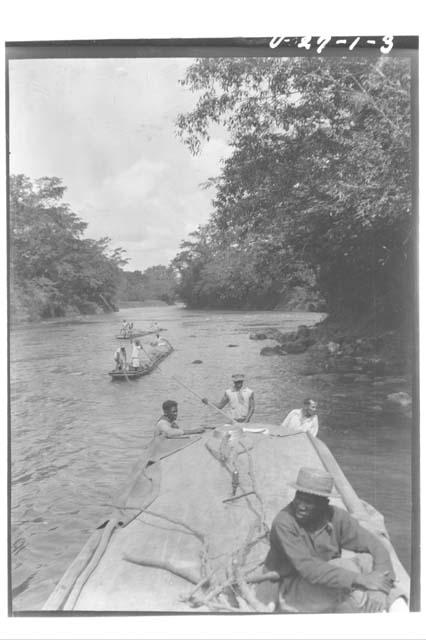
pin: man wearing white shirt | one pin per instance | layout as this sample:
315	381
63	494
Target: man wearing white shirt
304	419
239	400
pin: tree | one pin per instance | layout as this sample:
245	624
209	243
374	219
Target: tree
53	267
320	171
155	283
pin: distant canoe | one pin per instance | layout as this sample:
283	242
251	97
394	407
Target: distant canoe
184	535
157	354
139	334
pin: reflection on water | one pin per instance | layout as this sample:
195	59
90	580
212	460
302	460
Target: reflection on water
75	434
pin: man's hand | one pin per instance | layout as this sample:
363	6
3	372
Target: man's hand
376	602
375	581
205	400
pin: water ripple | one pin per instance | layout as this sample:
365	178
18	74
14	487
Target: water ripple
76	434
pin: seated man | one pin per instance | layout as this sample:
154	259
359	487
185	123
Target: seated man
304	419
238	400
159	341
167	426
306	540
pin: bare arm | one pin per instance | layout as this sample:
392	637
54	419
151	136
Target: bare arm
314	426
188	432
168	430
251	408
219	405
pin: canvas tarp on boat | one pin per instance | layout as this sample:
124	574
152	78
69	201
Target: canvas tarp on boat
186	528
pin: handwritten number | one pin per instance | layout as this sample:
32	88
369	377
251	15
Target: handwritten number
322	42
305	42
354	43
388	44
275	42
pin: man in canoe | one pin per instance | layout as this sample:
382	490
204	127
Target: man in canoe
124	330
304	419
120	359
307	538
167	426
239	400
139	357
159	341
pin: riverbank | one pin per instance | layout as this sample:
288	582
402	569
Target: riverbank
71	314
356	352
135	304
74	315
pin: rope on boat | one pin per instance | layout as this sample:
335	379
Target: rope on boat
214	595
237	578
163	564
198	534
252	475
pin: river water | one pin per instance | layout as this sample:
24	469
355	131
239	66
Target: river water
75	434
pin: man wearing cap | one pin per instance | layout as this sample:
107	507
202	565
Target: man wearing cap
239	400
307	538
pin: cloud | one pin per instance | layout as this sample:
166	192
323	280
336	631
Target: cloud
107	128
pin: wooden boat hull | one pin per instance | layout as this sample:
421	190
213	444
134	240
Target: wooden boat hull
139	334
156	354
178	520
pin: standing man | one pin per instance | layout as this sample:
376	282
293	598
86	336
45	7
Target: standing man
167	426
239	400
124	328
304	419
139	357
120	359
307	538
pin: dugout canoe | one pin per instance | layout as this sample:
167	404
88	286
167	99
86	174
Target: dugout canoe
185	536
139	334
156	355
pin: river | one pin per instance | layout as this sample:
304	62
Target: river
75	433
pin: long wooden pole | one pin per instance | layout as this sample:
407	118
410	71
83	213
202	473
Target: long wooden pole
356	506
209	404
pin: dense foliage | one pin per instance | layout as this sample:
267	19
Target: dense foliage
317	189
155	283
54	269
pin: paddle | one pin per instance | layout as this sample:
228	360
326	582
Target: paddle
254	426
147	354
124	370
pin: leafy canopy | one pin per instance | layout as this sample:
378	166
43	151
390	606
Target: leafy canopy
318	183
53	266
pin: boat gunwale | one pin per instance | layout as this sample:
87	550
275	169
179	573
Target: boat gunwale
138	373
348	496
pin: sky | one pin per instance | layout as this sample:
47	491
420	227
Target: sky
107	129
